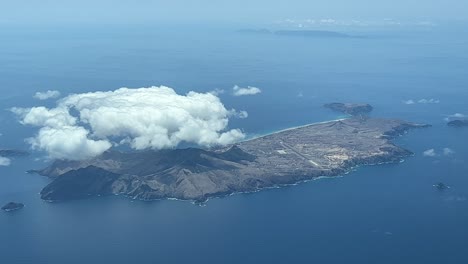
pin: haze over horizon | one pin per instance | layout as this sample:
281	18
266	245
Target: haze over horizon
28	12
234	131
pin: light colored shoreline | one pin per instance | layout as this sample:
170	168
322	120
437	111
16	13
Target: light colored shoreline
292	128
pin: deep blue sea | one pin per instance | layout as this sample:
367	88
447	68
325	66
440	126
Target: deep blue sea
379	214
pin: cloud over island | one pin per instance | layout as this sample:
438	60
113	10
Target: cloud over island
85	125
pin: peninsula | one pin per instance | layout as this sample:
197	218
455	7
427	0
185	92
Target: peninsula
286	157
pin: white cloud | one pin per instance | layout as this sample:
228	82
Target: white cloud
457	115
430	153
330	22
239	91
50	94
426	23
454	116
429	101
217	92
456	199
41	116
68	142
409	102
86	125
4	161
421	101
434	153
448	152
240	114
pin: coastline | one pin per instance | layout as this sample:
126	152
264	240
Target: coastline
257	136
238	172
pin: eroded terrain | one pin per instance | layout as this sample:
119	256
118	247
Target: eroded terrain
286	157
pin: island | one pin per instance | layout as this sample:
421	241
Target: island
286	157
9	153
350	108
312	33
441	186
309	33
458	123
12	206
255	31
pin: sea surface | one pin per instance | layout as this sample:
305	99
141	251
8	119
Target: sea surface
377	214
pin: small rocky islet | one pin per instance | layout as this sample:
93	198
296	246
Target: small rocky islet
441	186
12	206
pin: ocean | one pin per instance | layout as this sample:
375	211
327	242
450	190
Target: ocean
377	214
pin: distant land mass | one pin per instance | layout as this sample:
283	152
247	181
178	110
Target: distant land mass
287	157
350	108
312	33
458	123
297	32
12	206
256	31
9	153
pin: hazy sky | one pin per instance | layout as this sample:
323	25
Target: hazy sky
113	11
